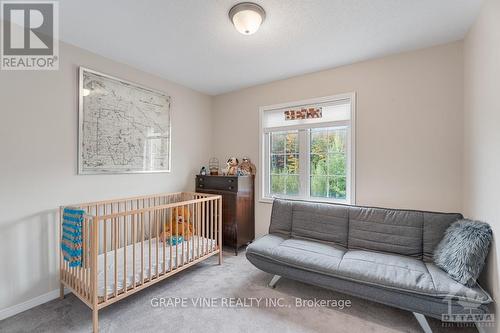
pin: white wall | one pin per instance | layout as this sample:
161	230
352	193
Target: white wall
482	132
409	126
38	163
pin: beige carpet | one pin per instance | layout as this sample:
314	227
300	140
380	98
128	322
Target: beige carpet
236	280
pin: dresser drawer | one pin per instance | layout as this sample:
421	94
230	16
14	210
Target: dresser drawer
221	183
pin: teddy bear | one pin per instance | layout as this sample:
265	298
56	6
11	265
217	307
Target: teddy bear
181	226
247	167
232	166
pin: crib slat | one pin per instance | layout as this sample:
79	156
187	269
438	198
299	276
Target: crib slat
219	222
170	218
156	213
176	237
212	215
193	221
105	254
134	240
163	214
115	231
190	209
206	221
203	227
183	225
198	224
207	225
150	240
142	248
124	254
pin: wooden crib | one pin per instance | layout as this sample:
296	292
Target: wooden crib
125	248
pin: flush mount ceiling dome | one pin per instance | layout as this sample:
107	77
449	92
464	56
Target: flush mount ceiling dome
247	17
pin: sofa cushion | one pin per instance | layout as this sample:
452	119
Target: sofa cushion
386	230
313	255
266	245
320	221
281	217
435	224
386	269
298	252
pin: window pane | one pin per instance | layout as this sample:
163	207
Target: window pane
337	140
292	142
337	164
277	164
318	165
319	141
328	162
284	160
278	142
337	187
319	186
292	185
292	164
278	184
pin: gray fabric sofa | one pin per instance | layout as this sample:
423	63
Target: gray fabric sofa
384	255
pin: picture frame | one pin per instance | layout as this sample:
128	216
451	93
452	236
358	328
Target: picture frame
123	127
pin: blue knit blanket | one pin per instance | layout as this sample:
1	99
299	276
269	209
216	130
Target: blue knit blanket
71	243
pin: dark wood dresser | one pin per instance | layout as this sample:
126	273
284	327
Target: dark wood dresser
238	208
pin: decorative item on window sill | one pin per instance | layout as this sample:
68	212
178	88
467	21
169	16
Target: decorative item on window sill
213	166
309	113
247	167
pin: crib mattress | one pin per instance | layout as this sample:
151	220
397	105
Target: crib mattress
178	257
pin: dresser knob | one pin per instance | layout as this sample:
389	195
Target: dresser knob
230	187
231	180
200	185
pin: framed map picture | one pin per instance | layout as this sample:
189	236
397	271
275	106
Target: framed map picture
123	127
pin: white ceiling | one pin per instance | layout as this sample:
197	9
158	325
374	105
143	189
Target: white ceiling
192	42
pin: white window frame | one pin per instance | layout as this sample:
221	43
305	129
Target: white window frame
304	141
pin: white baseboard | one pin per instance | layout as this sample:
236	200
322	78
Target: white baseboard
18	308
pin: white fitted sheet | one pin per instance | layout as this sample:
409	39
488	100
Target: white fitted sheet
195	251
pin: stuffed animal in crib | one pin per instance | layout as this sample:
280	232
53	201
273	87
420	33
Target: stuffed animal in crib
232	166
181	225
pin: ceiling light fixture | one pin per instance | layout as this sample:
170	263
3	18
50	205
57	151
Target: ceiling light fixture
247	17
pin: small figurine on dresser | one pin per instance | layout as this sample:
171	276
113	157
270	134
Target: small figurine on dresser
203	171
247	167
232	166
213	166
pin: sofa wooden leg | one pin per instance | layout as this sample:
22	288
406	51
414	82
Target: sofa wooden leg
274	280
423	322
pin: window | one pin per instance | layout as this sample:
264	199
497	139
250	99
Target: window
307	150
284	162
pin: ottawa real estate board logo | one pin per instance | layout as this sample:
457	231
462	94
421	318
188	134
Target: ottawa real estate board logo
29	35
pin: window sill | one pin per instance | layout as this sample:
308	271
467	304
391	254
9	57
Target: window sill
266	200
269	200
